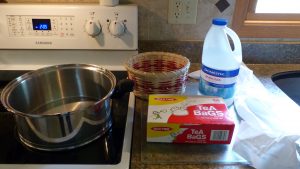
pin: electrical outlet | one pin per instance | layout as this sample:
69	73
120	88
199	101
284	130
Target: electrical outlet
182	11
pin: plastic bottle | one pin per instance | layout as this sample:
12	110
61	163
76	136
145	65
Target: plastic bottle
220	64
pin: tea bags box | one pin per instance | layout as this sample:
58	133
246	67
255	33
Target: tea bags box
188	119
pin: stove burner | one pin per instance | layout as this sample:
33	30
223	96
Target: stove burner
105	150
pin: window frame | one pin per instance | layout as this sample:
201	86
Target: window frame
250	25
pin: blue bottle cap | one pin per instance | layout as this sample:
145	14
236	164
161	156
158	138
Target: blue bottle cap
219	21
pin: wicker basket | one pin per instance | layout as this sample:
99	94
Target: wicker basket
158	73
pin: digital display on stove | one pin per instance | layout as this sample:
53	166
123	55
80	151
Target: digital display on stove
41	24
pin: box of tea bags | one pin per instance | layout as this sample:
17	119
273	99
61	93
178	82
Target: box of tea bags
188	119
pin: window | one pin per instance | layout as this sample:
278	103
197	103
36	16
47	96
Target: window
277	6
264	21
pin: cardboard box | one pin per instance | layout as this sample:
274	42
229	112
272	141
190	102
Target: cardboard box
188	119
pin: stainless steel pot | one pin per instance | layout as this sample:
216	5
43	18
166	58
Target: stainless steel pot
61	107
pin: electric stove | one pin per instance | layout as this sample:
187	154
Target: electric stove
109	151
34	36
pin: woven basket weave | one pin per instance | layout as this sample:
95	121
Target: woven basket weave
158	73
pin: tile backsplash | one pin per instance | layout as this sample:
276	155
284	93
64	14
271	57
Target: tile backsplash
153	21
253	53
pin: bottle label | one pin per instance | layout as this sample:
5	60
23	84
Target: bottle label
219	78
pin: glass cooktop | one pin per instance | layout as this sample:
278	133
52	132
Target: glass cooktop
105	150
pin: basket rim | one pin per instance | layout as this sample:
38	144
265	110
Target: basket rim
160	74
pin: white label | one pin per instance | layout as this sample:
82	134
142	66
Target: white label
219	135
219	78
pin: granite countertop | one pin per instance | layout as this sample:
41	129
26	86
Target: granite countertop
262	71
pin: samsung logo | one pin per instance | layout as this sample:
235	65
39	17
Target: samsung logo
43	43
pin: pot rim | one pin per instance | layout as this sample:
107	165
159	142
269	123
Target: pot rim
17	81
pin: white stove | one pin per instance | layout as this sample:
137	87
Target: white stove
33	36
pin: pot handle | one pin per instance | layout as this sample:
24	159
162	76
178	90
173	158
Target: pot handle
122	87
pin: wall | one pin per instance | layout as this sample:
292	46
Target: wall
154	20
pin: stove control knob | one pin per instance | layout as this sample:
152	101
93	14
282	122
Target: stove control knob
92	28
117	28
